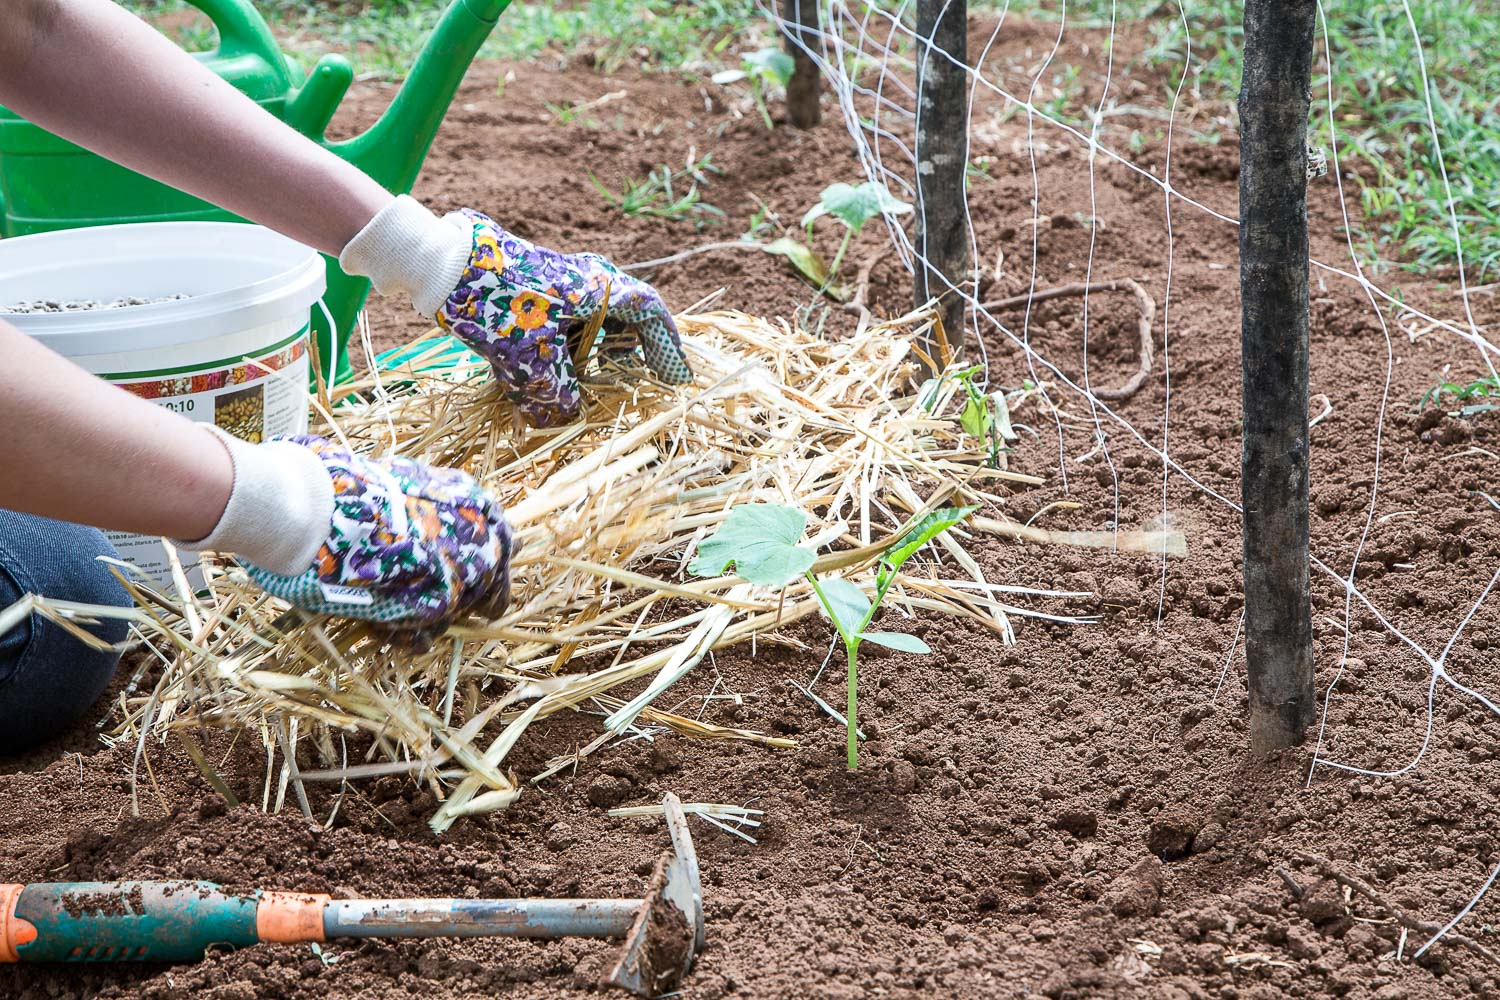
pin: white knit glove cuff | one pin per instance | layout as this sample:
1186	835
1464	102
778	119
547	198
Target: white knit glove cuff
280	509
407	250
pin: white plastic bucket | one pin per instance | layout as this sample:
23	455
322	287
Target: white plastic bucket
234	353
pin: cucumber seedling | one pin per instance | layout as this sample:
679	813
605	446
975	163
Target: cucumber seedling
985	416
763	542
854	206
766	69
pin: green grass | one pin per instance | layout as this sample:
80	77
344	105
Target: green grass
662	196
1482	388
382	37
1380	110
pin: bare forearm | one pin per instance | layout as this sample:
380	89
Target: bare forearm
101	77
77	449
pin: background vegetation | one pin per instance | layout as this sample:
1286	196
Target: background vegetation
1380	109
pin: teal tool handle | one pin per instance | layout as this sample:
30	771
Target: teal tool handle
180	921
123	921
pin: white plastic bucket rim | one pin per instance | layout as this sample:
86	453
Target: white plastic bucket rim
238	276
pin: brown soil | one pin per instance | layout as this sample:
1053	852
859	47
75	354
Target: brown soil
104	904
1071	816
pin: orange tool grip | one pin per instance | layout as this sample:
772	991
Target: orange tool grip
15	933
291	917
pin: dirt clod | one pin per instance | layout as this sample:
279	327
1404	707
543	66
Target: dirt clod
1079	822
1171	834
607	791
903	777
1323	903
559	837
1137	892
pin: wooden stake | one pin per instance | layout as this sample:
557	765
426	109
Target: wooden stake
942	236
801	34
1273	106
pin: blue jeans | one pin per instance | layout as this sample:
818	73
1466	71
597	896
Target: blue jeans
49	678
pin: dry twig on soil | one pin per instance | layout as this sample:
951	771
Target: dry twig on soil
1143	301
1326	868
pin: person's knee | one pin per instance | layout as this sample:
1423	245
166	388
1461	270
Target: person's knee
59	560
86	578
48	677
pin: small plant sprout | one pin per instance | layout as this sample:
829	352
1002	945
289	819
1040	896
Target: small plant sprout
660	195
978	169
1482	388
985	416
853	205
763	542
766	69
763	221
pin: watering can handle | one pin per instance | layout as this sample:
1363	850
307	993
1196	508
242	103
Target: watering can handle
242	31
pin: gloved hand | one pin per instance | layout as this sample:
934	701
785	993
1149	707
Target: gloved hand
520	306
391	541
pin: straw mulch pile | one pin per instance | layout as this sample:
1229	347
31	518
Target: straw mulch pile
609	512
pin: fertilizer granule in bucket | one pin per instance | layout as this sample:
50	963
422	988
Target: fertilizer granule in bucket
87	305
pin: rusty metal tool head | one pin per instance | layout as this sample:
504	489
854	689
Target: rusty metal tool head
668	931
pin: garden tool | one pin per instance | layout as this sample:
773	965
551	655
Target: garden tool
181	921
47	183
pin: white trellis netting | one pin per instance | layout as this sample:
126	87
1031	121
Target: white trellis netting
867	53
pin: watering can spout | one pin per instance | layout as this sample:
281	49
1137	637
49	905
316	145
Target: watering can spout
393	149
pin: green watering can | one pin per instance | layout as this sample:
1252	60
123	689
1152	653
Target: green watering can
47	183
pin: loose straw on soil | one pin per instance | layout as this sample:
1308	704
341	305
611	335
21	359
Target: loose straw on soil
608	512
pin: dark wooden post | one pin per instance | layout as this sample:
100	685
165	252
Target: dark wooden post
801	35
1273	105
942	236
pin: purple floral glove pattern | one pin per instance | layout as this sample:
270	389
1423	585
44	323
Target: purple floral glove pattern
410	546
518	304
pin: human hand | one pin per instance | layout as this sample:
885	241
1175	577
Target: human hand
408	546
523	308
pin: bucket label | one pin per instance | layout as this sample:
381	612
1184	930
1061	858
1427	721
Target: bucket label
253	397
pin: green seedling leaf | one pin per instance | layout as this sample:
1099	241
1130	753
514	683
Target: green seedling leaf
761	542
846	605
729	76
803	257
927	395
899	641
771	64
921	533
976	419
855	205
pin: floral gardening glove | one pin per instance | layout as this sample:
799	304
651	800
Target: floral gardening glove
391	541
524	309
